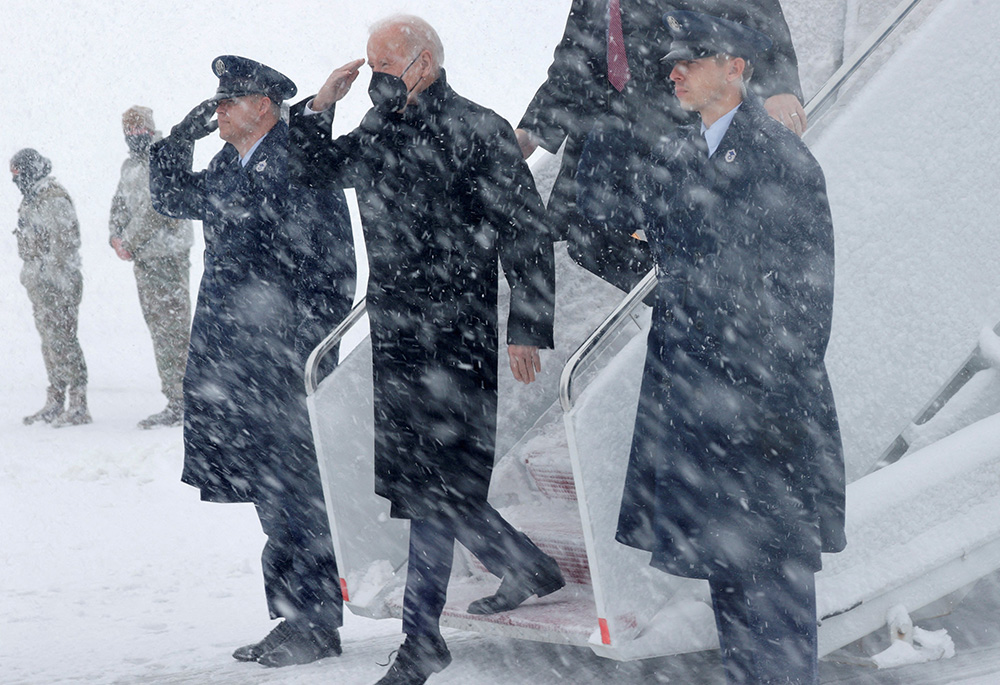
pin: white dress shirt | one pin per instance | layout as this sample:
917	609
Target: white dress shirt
717	131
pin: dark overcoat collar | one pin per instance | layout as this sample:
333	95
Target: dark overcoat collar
742	132
271	151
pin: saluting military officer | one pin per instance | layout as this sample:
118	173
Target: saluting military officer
48	241
279	265
159	249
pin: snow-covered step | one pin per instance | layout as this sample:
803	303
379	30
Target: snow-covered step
551	472
569	550
567	616
557	531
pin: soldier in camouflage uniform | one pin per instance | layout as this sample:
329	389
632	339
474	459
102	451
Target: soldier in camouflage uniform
48	241
158	248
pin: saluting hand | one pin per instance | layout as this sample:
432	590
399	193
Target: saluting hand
787	109
198	123
524	362
337	85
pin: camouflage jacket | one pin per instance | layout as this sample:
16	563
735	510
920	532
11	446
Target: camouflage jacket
48	236
145	233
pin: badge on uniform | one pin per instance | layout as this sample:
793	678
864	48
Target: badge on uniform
731	156
261	165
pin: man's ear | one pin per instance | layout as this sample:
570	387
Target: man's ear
427	62
737	65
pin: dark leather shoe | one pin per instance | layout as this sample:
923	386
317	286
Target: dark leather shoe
418	657
545	579
303	647
278	635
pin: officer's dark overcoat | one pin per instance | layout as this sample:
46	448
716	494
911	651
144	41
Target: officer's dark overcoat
277	257
443	193
736	459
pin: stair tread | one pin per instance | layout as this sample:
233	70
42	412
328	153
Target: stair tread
567	616
555	527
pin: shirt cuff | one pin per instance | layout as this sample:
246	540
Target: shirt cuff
309	111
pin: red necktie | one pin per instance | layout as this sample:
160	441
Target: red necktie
618	71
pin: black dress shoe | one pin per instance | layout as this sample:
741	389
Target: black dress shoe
545	579
418	657
278	635
305	646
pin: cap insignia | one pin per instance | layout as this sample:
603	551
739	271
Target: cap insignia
220	67
674	24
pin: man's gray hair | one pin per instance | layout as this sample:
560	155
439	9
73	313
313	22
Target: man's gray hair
419	35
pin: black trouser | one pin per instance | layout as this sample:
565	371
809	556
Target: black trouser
499	546
767	626
300	571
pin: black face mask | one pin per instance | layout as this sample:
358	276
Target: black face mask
19	181
139	144
24	180
388	92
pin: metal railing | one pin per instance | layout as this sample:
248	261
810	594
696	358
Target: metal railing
330	343
599	339
815	108
817	103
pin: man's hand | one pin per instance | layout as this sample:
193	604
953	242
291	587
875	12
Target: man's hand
119	248
524	362
526	142
787	109
337	85
198	123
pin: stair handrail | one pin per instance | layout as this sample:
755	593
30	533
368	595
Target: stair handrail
599	338
814	110
329	343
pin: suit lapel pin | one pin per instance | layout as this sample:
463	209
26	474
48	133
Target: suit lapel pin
731	156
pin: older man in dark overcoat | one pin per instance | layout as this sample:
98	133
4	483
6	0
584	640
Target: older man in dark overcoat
736	471
279	273
443	194
606	74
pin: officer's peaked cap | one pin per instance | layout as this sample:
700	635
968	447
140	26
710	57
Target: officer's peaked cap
695	35
239	76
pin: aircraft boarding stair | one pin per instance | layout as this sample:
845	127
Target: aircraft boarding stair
919	529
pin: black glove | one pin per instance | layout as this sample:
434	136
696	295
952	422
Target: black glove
198	123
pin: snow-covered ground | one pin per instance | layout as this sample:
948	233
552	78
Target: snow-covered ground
114	572
111	571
